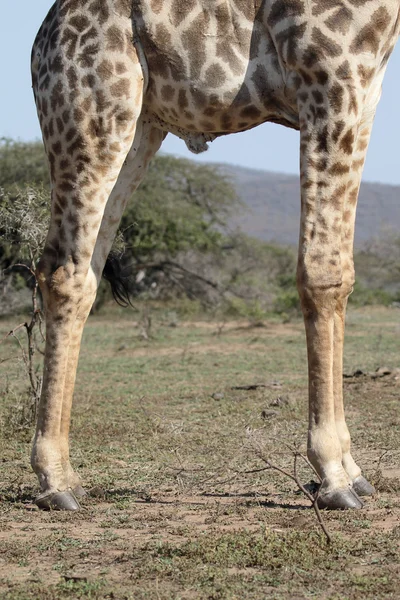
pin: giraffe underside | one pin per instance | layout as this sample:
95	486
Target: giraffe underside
215	72
214	68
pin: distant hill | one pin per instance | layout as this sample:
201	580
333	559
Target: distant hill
273	206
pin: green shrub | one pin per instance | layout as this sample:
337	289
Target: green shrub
363	296
287	302
253	310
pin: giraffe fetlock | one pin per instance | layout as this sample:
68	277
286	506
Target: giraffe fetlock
73	480
56	491
319	296
336	490
325	454
359	483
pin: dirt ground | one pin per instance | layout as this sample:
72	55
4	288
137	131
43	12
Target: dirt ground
179	503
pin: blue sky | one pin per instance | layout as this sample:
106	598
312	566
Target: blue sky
270	147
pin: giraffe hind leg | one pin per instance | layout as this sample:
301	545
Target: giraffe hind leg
146	143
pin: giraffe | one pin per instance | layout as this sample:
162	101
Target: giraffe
112	78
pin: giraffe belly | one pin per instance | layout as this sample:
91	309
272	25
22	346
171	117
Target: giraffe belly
213	74
193	107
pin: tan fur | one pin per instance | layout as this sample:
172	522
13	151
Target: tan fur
112	78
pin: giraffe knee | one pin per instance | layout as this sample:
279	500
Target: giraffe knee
55	280
66	287
317	293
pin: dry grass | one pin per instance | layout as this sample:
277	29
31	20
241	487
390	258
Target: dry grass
163	441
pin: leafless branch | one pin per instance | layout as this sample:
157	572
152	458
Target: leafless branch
170	263
28	354
22	266
13	334
294	477
295	452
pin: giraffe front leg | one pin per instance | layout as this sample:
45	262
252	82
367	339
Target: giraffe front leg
324	444
323	283
68	291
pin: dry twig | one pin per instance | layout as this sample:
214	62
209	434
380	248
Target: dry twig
294	477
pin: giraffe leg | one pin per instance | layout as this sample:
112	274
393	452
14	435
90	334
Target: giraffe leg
146	143
335	132
87	140
325	278
360	485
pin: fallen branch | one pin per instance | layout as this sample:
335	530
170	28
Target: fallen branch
294	477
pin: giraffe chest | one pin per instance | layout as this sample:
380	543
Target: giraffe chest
212	69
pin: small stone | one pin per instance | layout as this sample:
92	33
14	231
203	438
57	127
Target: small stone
268	414
358	373
284	400
31	507
97	492
217	396
381	372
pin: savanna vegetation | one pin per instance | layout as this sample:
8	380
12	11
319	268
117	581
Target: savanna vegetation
166	438
175	241
177	401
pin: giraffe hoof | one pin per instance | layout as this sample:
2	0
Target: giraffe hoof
79	491
362	487
58	501
340	500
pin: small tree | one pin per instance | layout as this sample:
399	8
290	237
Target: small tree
181	209
175	232
180	206
24	216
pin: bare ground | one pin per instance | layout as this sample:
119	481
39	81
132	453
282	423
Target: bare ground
177	506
